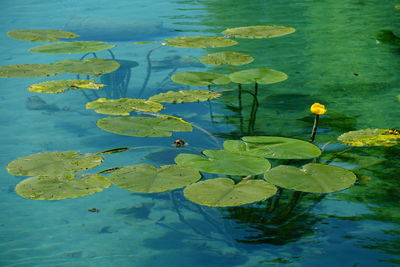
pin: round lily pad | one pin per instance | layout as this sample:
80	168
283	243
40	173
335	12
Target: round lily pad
231	58
123	106
199	42
55	188
74	47
91	66
223	192
224	162
371	137
261	76
55	87
185	96
273	147
313	178
259	31
53	163
41	35
199	78
28	70
144	126
145	178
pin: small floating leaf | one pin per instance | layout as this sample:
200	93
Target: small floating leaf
313	178
54	188
28	70
91	66
397	6
71	47
222	192
185	96
53	163
144	126
123	106
145	178
259	31
55	87
199	78
371	137
231	58
41	35
114	150
199	42
261	76
224	162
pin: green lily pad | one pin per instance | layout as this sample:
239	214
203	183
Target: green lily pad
55	87
199	42
223	192
259	31
273	147
91	66
123	106
55	188
313	178
53	163
261	76
28	70
144	126
199	78
41	35
145	178
224	162
371	137
397	6
185	96
71	47
231	58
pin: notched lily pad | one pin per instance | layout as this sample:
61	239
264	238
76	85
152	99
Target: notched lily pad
185	96
34	35
61	187
313	178
123	106
28	70
231	58
261	76
144	126
199	42
55	87
91	66
223	192
264	31
73	47
199	78
371	137
145	178
53	163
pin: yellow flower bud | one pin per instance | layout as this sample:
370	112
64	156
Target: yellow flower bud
318	109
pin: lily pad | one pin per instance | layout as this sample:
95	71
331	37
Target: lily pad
91	66
199	42
71	47
123	106
371	137
41	35
144	126
261	76
224	162
55	87
259	31
200	78
54	188
185	96
223	192
313	178
28	70
145	178
273	147
231	58
53	163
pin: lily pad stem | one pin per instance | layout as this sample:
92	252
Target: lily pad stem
240	107
314	129
146	80
253	113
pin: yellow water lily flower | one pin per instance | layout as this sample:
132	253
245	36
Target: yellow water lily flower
318	109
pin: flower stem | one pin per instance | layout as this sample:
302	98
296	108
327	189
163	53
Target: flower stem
314	129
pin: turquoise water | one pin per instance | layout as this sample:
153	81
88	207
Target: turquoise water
335	57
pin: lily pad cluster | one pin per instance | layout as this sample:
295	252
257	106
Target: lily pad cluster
371	137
